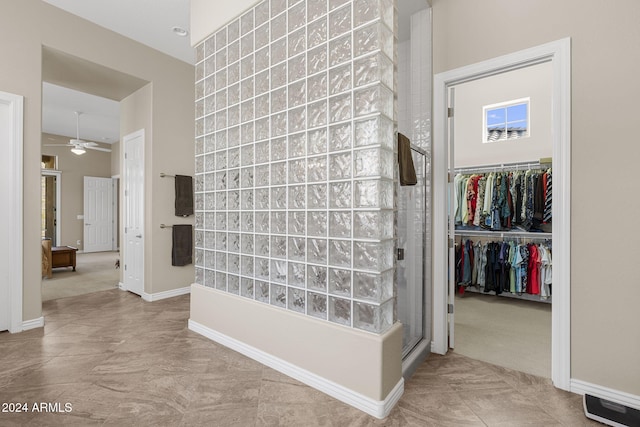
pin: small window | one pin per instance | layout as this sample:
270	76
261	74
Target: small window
506	120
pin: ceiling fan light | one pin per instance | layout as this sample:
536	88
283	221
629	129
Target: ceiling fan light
78	150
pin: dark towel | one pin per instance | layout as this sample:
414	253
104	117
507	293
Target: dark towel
405	162
181	252
184	195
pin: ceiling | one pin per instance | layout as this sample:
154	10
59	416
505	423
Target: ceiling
149	22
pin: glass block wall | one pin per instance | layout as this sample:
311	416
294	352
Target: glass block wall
295	159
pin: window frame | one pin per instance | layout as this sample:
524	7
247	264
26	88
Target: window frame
505	105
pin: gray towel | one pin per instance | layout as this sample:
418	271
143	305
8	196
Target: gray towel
184	195
182	250
405	162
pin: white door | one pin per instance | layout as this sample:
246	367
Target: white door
133	181
98	214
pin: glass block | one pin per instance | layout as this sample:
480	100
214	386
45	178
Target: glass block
262	152
247	130
246	44
297	274
247	287
279	47
233	94
221	221
340	166
261	13
340	224
246	22
340	282
246	265
199	113
317	251
278	76
278	6
317	114
222	100
247	69
262	268
247	158
317	169
220	141
233	136
297	16
296	300
340	50
209	46
262	128
297	145
247	241
262	220
247	222
246	199
317	86
262	245
372	69
317	32
373	225
279	124
297	42
317	141
373	37
221	281
246	107
317	305
261	37
297	221
373	194
340	253
233	200
297	93
233	221
340	137
221	261
278	246
199	239
233	52
200	276
373	162
261	84
233	243
262	198
340	79
234	179
210	278
279	173
317	278
210	259
233	115
209	220
262	175
278	149
278	271
375	99
210	161
317	59
375	130
209	86
199	127
278	295
297	171
297	119
278	222
340	108
220	121
340	195
297	197
262	291
375	256
199	197
297	68
233	263
297	247
210	240
221	78
340	311
279	197
229	159
315	9
316	223
317	196
339	21
373	318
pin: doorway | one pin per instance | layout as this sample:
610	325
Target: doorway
133	217
558	54
50	203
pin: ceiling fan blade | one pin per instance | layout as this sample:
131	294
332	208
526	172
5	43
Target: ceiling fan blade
89	144
57	145
106	150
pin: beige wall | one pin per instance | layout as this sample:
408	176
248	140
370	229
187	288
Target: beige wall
74	168
605	337
532	82
208	16
34	24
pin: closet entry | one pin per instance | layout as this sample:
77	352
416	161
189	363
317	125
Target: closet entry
500	219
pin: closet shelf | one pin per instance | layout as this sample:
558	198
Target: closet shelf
503	234
526	297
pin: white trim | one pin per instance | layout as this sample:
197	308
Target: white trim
121	286
376	408
621	397
559	54
14	210
33	323
166	294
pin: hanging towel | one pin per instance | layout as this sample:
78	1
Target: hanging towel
405	162
181	252
184	195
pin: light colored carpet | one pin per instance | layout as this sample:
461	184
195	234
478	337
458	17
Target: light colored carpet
94	272
511	333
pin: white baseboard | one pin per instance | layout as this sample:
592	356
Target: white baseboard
121	286
376	408
33	323
166	294
621	397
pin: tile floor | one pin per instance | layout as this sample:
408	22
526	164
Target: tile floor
121	361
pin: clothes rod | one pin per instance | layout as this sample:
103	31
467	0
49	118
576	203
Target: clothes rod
501	166
163	175
166	226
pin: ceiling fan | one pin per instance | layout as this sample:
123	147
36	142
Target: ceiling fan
80	146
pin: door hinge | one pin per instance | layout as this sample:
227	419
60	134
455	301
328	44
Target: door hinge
400	254
125	230
125	156
449	308
450	243
125	267
450	112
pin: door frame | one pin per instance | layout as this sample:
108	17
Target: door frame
559	54
137	134
14	207
115	189
58	175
